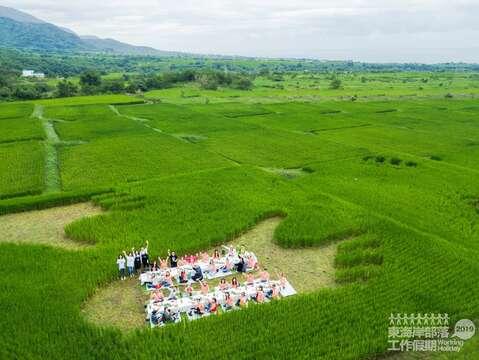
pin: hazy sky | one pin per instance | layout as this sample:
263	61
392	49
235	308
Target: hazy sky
367	30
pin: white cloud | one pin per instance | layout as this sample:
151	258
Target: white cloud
370	30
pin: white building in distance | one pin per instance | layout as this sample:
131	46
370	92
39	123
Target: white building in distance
32	73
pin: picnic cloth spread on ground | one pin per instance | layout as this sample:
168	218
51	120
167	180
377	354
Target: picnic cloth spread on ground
159	276
187	304
196	305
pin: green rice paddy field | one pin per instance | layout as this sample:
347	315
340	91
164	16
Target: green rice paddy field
395	172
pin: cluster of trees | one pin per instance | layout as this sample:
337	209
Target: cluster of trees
91	82
69	64
13	89
211	80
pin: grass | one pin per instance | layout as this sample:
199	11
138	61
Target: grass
45	227
121	303
52	171
411	236
21	168
307	269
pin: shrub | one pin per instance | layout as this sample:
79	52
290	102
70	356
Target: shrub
242	83
335	84
395	161
308	170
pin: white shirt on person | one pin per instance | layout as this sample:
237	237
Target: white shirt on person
121	263
130	261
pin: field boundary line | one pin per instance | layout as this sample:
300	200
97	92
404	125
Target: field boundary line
144	122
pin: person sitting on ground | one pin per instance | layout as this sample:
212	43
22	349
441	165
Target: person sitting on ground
216	254
227	266
205	257
157	296
213	306
241	265
223	285
198	309
137	260
282	280
172	294
121	266
167	316
182	261
212	268
205	288
234	283
173	258
193	258
155	266
260	295
249	279
130	263
243	300
167	281
155	282
189	290
231	251
198	275
264	275
274	292
183	278
228	301
154	318
251	262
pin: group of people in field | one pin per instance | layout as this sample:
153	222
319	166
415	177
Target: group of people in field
133	262
200	284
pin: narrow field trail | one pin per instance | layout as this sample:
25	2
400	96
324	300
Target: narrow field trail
45	227
52	171
120	304
145	122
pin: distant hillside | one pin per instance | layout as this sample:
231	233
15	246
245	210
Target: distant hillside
118	47
19	30
37	36
19	16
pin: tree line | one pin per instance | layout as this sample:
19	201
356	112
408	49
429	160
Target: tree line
91	83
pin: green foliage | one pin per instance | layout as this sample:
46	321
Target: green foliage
37	36
335	84
21	168
66	89
242	83
407	236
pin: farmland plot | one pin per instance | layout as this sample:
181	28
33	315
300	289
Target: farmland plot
392	185
21	168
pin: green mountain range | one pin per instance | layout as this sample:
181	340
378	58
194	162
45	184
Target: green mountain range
19	30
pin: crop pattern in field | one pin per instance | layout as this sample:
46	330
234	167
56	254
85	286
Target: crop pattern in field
393	182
